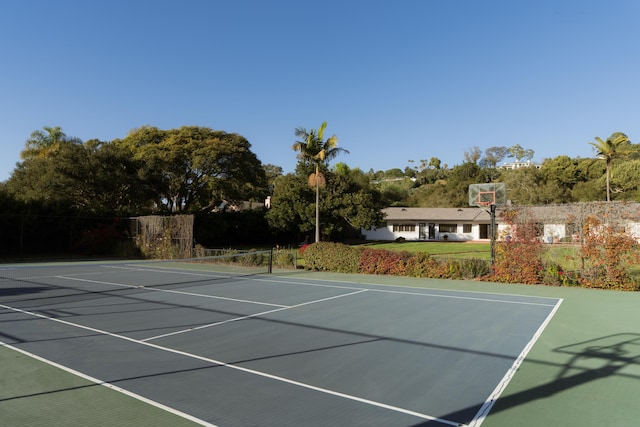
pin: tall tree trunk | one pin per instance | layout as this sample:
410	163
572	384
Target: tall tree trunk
317	206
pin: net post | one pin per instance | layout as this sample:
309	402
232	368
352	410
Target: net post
270	266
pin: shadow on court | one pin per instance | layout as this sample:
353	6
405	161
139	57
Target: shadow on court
22	290
589	361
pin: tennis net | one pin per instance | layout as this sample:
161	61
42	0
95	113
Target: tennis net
139	273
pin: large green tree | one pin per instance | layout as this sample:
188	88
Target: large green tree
625	180
193	168
46	142
472	155
92	177
493	156
519	153
39	177
314	150
458	182
523	185
617	145
559	175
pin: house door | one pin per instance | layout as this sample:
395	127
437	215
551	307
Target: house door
432	231
422	231
484	231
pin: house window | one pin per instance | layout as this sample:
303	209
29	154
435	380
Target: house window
404	227
448	228
466	228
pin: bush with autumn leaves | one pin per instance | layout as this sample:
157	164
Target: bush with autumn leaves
606	253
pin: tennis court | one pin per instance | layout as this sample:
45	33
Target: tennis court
198	346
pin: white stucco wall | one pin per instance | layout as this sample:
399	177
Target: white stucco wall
387	233
633	228
553	232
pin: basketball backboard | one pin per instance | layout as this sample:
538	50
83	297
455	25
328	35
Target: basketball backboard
493	193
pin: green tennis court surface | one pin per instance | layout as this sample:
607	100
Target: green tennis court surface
184	345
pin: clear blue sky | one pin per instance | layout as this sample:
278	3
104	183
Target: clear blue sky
396	80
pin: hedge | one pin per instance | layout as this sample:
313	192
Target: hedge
340	258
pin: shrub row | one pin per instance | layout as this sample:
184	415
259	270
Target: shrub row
327	256
515	263
340	258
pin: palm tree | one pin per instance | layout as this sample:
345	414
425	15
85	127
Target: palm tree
312	148
617	145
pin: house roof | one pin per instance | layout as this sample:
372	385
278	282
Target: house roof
560	214
436	214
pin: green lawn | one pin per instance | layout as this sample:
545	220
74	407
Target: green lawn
441	249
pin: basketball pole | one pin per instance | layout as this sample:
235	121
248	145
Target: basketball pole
493	234
490	194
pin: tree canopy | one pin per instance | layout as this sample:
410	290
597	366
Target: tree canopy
195	167
150	170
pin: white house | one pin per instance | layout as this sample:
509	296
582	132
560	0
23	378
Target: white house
557	223
455	224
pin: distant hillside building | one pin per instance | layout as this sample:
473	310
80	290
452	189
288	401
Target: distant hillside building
518	165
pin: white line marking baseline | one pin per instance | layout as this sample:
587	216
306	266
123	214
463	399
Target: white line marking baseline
239	368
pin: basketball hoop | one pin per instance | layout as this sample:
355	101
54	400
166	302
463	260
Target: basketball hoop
486	198
488	194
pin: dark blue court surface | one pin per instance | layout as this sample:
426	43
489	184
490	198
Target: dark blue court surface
265	350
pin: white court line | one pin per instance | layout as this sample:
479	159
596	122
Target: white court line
222	322
464	298
386	285
235	367
235	319
416	293
479	418
171	291
110	386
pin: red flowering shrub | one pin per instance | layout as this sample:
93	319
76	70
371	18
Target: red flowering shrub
606	254
302	248
518	260
380	261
